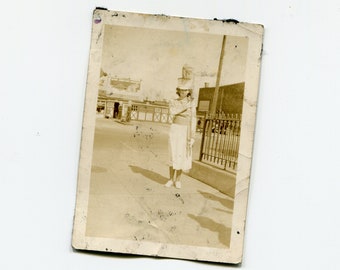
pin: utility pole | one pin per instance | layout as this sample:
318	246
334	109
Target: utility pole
217	87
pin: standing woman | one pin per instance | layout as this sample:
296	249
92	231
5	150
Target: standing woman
181	135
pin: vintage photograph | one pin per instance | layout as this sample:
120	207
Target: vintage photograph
167	136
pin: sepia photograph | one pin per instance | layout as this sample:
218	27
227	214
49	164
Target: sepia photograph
170	135
167	136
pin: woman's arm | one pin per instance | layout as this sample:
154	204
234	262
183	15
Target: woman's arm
193	122
177	108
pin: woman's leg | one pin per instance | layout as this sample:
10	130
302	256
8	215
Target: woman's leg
178	178
171	173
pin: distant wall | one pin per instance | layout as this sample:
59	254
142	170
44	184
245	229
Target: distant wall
230	95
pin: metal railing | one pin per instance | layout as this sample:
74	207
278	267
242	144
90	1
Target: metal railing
152	113
220	142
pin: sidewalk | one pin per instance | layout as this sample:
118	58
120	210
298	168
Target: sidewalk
128	199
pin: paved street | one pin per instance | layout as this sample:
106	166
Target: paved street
128	199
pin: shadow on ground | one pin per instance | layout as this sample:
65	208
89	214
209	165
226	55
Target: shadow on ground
226	202
223	231
156	177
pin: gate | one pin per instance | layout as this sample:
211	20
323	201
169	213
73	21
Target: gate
220	142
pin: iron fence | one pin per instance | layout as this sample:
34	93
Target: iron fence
220	142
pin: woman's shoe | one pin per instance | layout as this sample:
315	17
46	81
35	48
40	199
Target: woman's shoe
170	183
178	184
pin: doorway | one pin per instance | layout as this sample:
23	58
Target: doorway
115	110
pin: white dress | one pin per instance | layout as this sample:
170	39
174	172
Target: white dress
182	130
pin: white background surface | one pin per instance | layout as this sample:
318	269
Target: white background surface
293	216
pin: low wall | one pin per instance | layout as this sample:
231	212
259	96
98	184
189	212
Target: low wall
221	180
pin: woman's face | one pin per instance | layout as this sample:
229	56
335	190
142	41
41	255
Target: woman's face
183	93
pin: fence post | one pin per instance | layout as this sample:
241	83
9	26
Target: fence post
203	138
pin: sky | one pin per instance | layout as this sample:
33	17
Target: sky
156	57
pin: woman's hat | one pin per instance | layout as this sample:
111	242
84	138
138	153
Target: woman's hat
186	82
